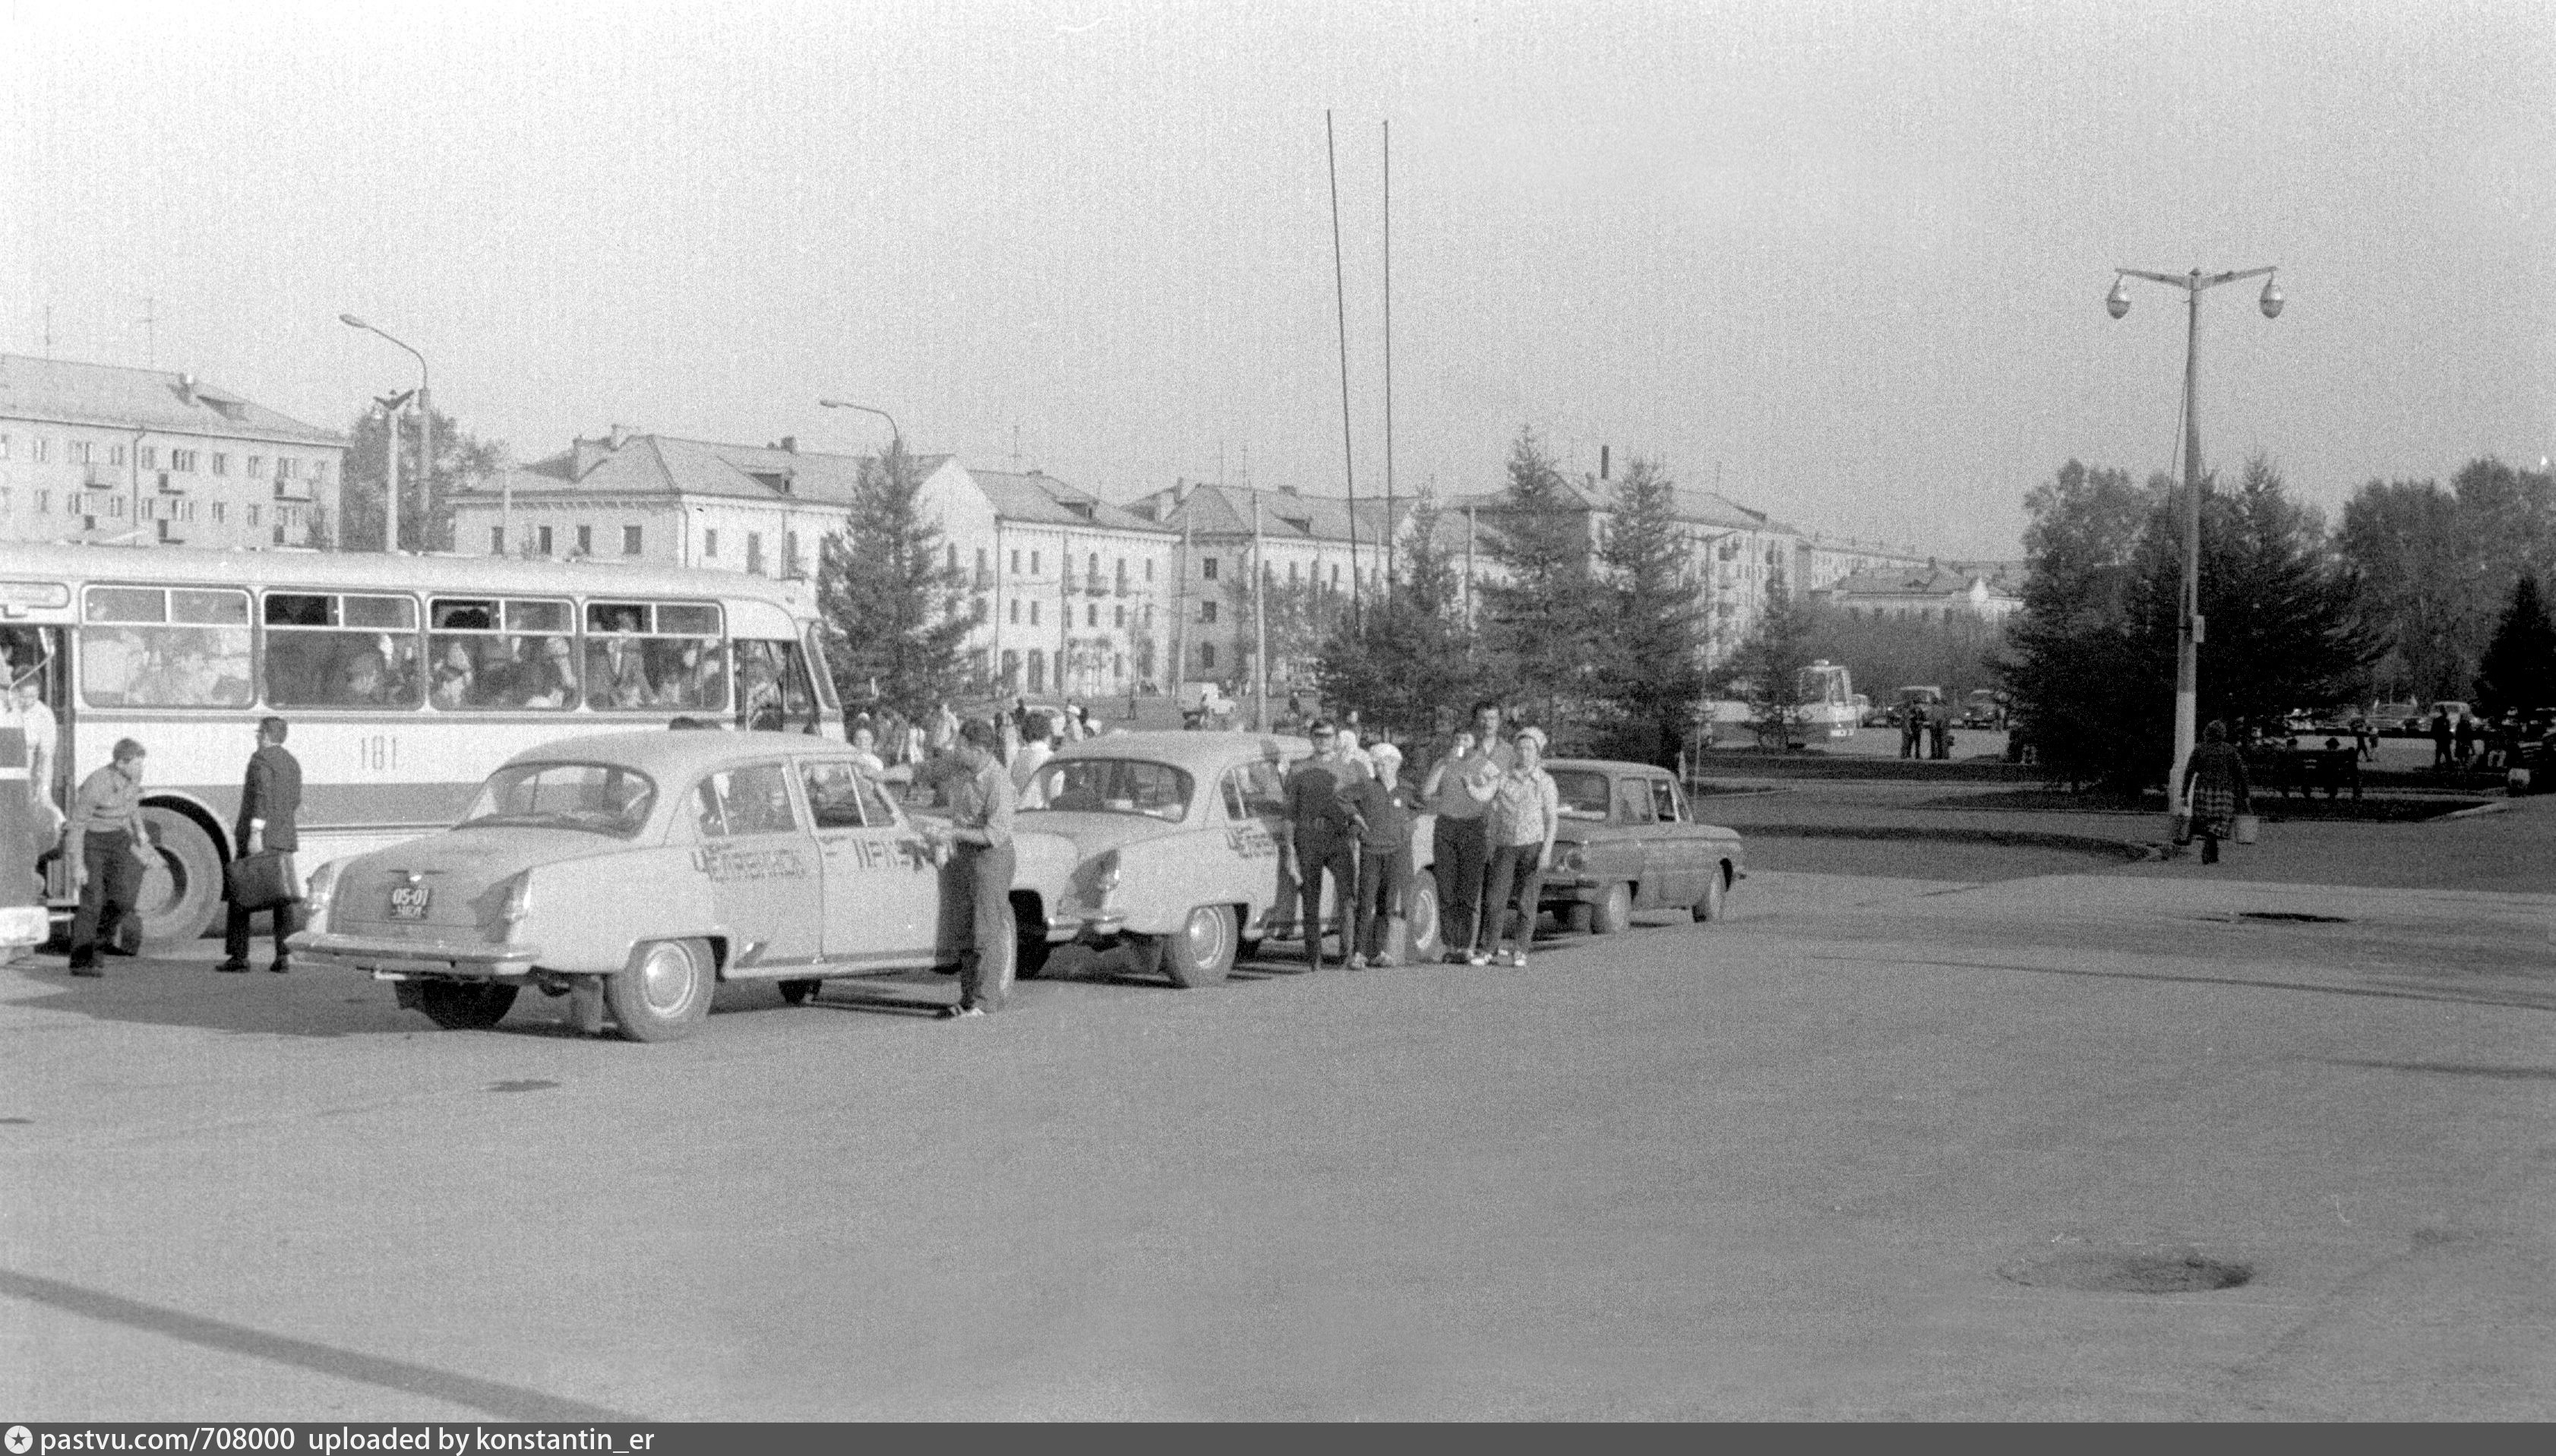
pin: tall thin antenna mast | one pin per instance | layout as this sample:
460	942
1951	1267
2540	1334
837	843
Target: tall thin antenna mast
1340	296
1388	364
150	332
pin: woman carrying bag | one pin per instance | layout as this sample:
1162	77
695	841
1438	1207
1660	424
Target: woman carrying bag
2215	791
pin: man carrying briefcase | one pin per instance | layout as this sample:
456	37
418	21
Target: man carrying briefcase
262	878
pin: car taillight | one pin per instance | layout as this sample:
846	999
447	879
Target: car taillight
317	894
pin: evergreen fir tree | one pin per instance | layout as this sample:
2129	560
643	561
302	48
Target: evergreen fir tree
1410	657
1541	616
2518	674
1652	672
891	603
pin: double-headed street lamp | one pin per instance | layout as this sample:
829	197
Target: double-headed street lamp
2187	666
424	439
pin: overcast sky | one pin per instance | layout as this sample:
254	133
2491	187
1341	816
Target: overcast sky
1847	258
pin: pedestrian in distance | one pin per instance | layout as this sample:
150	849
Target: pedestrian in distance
1381	807
2441	738
1035	750
2215	791
1322	837
975	847
270	802
1458	791
107	847
1525	814
2463	740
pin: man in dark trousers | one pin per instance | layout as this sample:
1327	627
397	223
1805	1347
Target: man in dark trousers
2440	738
979	875
107	848
1323	837
269	800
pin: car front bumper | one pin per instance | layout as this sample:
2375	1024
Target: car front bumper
327	950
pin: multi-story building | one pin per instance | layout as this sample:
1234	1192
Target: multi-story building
1931	591
1061	586
97	452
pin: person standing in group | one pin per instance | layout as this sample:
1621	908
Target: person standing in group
2215	791
2441	738
1912	721
2463	740
270	799
107	848
1525	813
1458	791
944	737
978	874
1381	809
1321	836
1029	757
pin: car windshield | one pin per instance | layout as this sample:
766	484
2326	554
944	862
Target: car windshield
601	799
1584	793
1115	786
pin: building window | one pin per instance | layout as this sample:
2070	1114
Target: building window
754	551
954	555
253	513
1292	579
182	461
546	541
790	553
1207	655
1034	606
44	502
709	545
630	540
78	453
1016	560
1207	613
1016	611
285	467
978	614
1149	571
1206	568
116	506
39	449
256	467
1034	564
4	446
1091	615
221	462
219	512
496	538
149	457
980	559
585	540
1118	616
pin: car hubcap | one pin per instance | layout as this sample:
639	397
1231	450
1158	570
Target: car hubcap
1206	937
666	979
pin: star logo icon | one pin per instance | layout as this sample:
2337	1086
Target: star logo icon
21	1440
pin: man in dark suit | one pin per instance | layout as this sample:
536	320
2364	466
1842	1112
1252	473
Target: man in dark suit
269	799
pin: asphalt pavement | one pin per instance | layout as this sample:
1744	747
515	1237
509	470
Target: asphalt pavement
1875	1147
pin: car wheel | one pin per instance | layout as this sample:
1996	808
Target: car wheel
1201	952
182	889
1613	911
465	1006
664	993
801	991
1419	937
1029	957
1710	908
1576	915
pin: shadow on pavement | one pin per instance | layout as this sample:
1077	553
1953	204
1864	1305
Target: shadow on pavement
2450	1069
2545	1001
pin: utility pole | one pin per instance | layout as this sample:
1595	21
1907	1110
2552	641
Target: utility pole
1259	615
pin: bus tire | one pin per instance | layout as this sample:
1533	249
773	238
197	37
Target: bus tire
465	1006
181	891
666	991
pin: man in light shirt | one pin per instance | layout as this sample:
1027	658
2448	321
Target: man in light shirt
1459	793
1033	754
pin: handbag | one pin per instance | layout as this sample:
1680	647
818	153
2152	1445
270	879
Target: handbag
2247	828
261	881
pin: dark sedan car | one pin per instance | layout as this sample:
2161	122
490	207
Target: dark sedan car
1629	841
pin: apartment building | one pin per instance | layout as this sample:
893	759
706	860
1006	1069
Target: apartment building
98	452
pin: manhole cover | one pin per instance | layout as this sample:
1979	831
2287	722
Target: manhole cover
2111	1271
2294	918
527	1085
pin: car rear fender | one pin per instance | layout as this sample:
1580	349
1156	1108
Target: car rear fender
587	922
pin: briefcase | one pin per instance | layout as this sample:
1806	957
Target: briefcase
261	881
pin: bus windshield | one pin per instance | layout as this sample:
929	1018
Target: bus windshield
601	799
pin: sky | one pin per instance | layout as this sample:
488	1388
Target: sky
1844	260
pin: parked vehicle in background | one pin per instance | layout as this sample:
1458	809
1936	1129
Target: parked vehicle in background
2395	720
1186	827
1865	715
2452	706
1906	698
1827	692
644	868
1629	841
1983	708
407	679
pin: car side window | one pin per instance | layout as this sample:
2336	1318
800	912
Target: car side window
875	806
1633	801
753	801
1664	801
833	792
1255	789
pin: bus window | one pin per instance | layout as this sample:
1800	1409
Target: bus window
643	656
166	648
325	651
490	653
774	691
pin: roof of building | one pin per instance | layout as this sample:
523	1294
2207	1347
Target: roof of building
1948	579
1038	498
665	464
1697	507
1209	508
162	401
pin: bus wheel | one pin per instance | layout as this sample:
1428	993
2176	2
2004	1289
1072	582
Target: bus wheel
181	891
664	993
465	1006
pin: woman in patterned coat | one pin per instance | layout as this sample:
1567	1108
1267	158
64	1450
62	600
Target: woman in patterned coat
2215	792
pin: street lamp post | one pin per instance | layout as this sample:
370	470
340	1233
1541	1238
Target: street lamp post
2189	632
424	437
893	432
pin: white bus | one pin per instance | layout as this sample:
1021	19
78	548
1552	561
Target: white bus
406	679
1828	707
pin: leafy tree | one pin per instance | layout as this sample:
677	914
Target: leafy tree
2518	672
426	498
1298	617
1651	672
891	603
1765	671
1957	653
2068	666
1406	658
2432	563
1541	613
